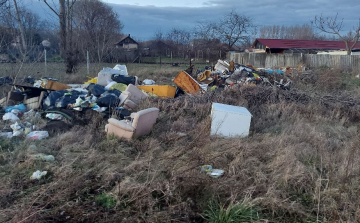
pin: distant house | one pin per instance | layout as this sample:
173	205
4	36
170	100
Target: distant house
127	43
156	47
301	46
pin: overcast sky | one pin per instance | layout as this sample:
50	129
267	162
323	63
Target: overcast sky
142	18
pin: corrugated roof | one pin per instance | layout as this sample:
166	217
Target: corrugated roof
304	44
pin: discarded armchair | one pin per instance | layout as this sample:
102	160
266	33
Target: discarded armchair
130	98
141	124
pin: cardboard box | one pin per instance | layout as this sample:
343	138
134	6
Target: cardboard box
53	85
34	103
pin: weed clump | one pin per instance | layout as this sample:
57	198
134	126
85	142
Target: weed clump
234	212
106	201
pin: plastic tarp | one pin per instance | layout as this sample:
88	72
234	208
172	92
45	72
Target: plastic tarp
122	69
104	76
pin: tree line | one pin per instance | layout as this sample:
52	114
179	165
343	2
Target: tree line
86	25
91	26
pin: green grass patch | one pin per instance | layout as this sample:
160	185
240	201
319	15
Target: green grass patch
239	212
107	201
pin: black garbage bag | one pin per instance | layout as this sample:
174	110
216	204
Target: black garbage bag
123	79
108	100
178	92
123	113
67	99
50	100
96	89
113	91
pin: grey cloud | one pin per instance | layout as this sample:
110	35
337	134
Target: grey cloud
276	12
143	21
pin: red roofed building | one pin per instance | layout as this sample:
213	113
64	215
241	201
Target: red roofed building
300	46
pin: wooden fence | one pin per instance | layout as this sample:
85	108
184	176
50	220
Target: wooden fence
345	62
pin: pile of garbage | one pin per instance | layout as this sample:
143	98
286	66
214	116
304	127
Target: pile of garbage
54	101
114	91
227	74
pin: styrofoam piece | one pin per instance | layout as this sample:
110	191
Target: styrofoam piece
229	120
148	82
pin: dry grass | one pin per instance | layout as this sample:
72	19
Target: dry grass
299	164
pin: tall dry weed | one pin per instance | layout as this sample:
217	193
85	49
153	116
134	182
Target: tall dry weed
299	163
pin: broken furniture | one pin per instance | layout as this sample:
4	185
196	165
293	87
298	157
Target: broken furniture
165	91
222	66
186	83
141	124
30	96
34	102
130	98
229	120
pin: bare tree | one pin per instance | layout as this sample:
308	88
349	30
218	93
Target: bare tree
334	26
178	36
64	15
205	30
159	35
179	39
12	10
233	29
23	46
21	32
97	27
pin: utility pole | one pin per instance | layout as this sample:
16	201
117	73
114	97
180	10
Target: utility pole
45	62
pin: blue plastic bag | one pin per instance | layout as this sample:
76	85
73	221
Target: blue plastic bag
20	107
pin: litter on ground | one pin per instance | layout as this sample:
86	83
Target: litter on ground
114	91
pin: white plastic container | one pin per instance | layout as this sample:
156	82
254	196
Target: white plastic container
229	120
37	135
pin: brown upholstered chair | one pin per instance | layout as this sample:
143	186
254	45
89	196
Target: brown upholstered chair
141	124
130	98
